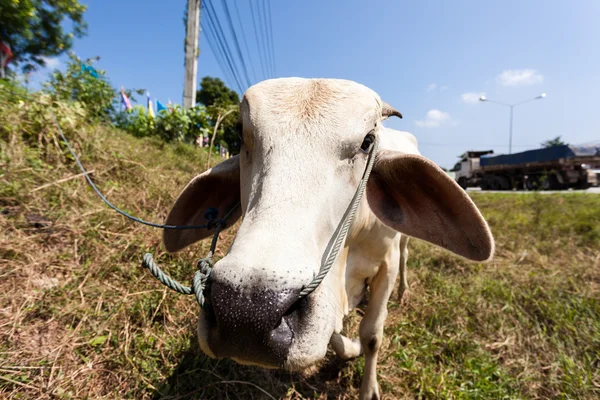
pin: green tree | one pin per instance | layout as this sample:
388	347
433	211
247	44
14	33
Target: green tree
222	104
222	117
89	87
35	29
553	142
213	91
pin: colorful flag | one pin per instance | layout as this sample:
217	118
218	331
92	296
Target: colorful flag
5	57
89	69
125	99
159	106
150	107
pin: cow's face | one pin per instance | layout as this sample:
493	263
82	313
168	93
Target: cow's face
305	148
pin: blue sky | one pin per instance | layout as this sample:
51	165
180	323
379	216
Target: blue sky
429	59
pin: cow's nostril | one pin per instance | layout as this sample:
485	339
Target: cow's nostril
299	305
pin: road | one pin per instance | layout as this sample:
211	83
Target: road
594	190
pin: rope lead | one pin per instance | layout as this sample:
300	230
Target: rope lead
198	283
205	265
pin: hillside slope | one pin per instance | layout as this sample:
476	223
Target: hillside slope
81	318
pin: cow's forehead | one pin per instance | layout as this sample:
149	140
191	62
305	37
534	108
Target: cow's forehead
301	104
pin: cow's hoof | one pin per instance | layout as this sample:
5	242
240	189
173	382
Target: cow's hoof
404	296
369	392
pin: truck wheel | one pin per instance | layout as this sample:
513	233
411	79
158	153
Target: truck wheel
484	183
582	184
551	183
503	183
462	182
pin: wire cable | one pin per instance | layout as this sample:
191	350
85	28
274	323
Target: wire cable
213	20
271	36
218	52
236	42
258	43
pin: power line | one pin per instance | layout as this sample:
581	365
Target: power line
210	11
217	51
271	36
222	42
237	44
261	25
260	52
237	13
265	31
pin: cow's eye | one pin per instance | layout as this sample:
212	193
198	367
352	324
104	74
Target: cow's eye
367	142
239	127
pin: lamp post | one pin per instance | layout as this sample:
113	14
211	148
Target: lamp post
511	106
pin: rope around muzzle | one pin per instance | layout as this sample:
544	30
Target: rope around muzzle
205	265
201	280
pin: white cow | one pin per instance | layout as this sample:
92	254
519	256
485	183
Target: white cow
305	148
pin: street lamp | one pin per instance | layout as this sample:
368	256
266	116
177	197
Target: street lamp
511	106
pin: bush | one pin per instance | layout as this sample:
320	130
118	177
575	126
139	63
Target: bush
181	125
90	89
31	123
88	86
175	125
137	122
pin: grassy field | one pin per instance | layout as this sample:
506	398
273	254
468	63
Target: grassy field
80	318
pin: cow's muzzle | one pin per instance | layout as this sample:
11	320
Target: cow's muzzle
256	326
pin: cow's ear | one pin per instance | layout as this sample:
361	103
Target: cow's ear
219	188
412	195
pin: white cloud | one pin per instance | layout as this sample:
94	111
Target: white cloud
519	77
51	63
432	87
471	97
434	119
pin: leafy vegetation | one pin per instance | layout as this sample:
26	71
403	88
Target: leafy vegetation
89	87
82	319
222	104
213	91
35	29
553	142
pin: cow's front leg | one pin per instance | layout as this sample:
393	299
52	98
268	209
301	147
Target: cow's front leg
371	327
344	347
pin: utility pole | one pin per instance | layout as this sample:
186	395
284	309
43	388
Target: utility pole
511	106
191	53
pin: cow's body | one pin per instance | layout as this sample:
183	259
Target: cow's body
374	255
305	148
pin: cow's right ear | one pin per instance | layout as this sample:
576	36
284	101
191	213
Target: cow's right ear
412	195
219	188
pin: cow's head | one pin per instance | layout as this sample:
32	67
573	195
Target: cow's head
305	148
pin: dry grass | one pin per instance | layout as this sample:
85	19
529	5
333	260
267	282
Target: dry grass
80	318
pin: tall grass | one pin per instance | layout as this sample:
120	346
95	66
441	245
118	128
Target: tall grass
80	318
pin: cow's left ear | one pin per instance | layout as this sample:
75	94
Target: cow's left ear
219	188
412	195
